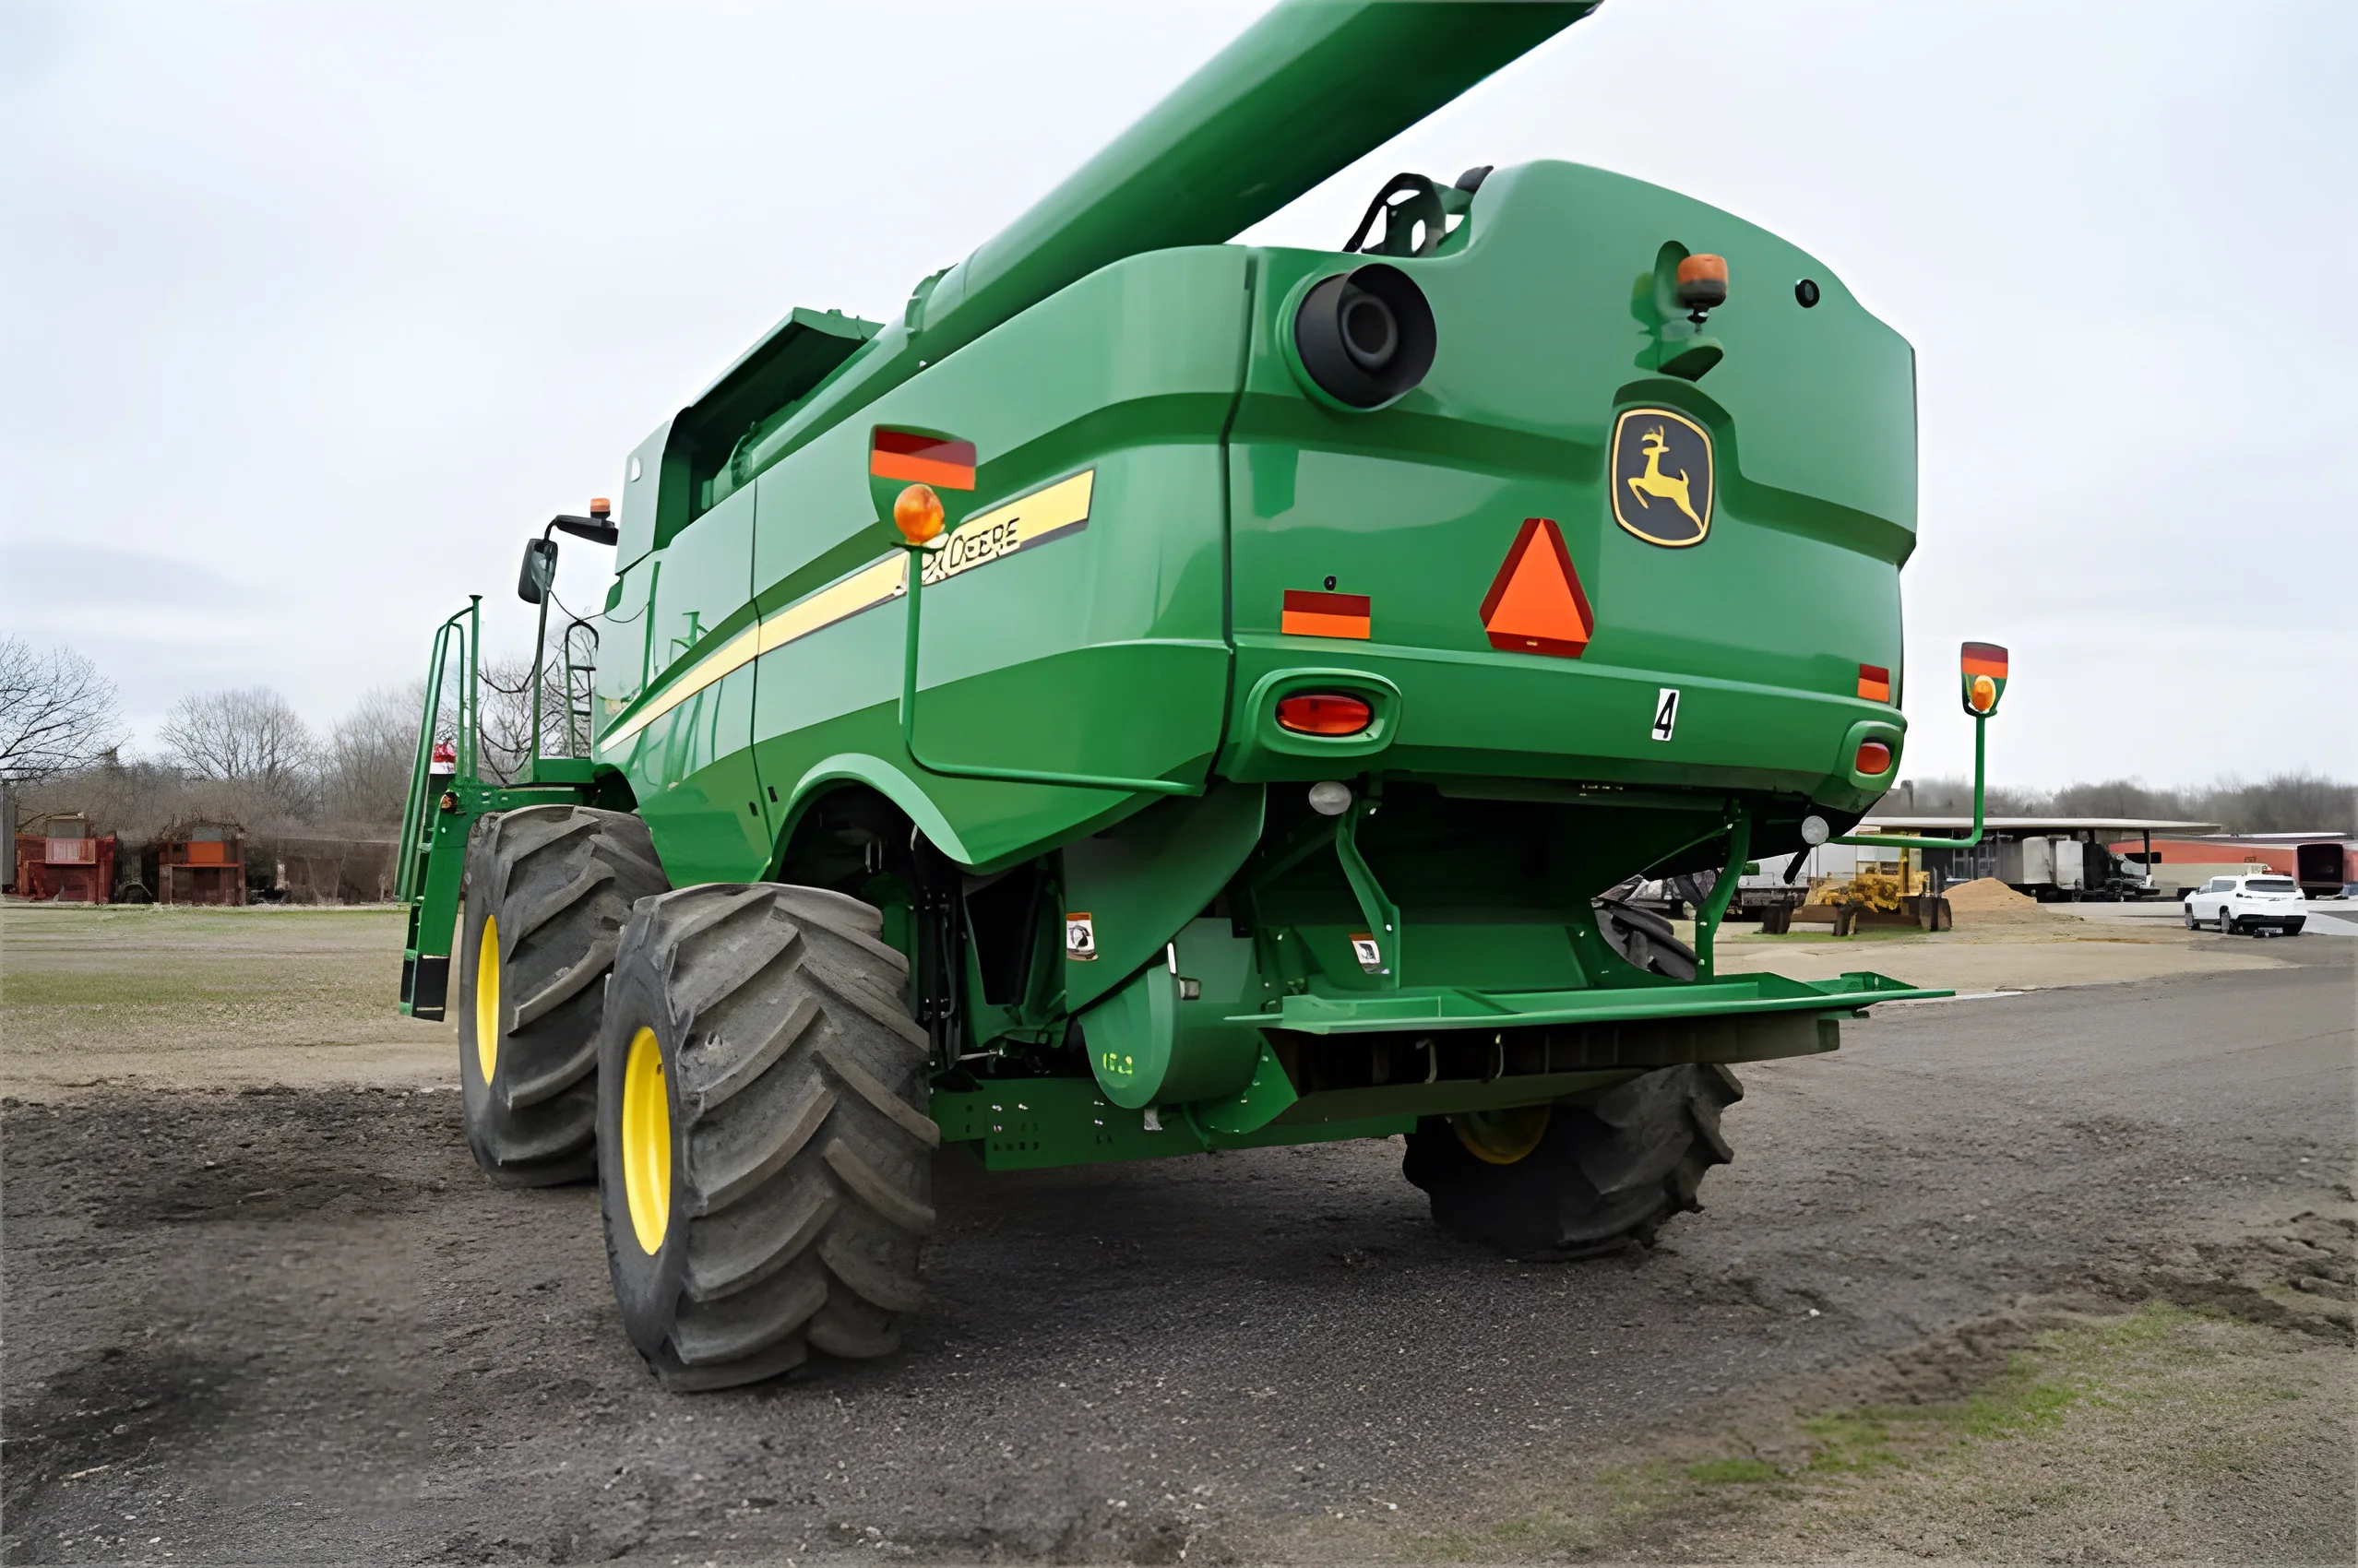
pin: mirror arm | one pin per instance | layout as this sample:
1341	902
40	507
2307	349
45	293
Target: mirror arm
539	653
589	529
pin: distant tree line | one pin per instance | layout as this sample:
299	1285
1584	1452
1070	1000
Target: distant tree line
243	755
2283	803
246	756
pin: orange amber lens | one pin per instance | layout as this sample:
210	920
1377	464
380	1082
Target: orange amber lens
917	513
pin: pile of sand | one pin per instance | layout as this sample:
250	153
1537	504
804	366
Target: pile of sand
1986	902
1986	893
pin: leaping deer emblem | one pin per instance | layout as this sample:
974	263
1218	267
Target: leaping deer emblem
1653	481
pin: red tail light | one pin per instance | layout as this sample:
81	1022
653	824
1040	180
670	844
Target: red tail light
1874	757
1323	713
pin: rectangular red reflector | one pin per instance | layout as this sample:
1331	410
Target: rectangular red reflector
1983	658
1311	614
923	459
1875	683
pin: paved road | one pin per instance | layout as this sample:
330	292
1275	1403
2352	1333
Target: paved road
269	1326
2327	917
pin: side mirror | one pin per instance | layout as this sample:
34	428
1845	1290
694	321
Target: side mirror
1981	666
539	570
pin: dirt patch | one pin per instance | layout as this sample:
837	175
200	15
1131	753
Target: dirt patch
175	998
2198	1407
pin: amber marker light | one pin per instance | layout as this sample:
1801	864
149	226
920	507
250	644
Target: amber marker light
1874	757
601	508
1703	284
917	513
1984	694
1323	713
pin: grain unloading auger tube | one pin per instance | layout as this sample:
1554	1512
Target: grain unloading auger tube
1155	695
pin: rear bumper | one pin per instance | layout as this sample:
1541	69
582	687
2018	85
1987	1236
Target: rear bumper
1431	1008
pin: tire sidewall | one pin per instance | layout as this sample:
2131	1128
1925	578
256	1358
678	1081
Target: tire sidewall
480	895
646	1288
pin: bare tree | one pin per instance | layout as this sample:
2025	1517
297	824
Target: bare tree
506	719
2285	802
368	758
251	737
57	713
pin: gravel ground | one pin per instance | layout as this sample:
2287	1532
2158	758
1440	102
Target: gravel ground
294	1325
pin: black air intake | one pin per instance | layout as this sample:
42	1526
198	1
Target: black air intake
1365	337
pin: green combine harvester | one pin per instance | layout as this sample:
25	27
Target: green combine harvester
1157	695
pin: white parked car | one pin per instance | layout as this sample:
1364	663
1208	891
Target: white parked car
2248	903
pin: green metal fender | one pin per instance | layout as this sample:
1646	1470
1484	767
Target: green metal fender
886	781
1143	879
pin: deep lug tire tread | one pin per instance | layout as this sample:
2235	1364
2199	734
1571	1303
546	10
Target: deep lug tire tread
802	1153
1604	1175
561	880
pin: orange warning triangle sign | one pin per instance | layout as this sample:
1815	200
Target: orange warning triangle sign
1536	605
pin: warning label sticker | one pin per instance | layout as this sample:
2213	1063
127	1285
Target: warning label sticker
1080	938
1363	948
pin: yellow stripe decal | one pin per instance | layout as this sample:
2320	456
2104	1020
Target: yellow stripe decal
1018	525
996	534
738	651
863	590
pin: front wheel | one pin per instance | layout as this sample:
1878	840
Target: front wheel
1564	1181
765	1155
548	890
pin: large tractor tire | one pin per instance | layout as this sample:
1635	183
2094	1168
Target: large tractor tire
549	889
1566	1180
765	1155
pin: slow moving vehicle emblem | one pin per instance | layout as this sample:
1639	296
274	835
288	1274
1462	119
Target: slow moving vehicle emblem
1662	488
1535	604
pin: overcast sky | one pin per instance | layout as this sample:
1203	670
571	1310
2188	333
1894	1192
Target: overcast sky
310	311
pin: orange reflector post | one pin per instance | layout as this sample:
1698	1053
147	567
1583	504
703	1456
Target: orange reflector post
1323	713
1874	757
917	513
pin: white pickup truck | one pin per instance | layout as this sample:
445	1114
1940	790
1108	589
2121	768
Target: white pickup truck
2247	903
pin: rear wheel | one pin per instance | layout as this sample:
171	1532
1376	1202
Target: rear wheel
1643	938
765	1152
548	891
2226	921
1566	1180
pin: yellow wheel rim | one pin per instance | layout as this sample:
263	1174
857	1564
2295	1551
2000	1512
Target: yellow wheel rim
1502	1137
646	1142
487	999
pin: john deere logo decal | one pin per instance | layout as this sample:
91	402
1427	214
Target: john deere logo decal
1662	477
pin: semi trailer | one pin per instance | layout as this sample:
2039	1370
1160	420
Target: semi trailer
1153	694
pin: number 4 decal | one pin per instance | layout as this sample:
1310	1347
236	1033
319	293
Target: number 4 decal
1665	712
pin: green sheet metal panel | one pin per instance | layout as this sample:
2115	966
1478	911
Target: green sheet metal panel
1762	625
1101	648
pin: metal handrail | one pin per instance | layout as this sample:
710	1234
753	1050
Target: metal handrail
467	625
